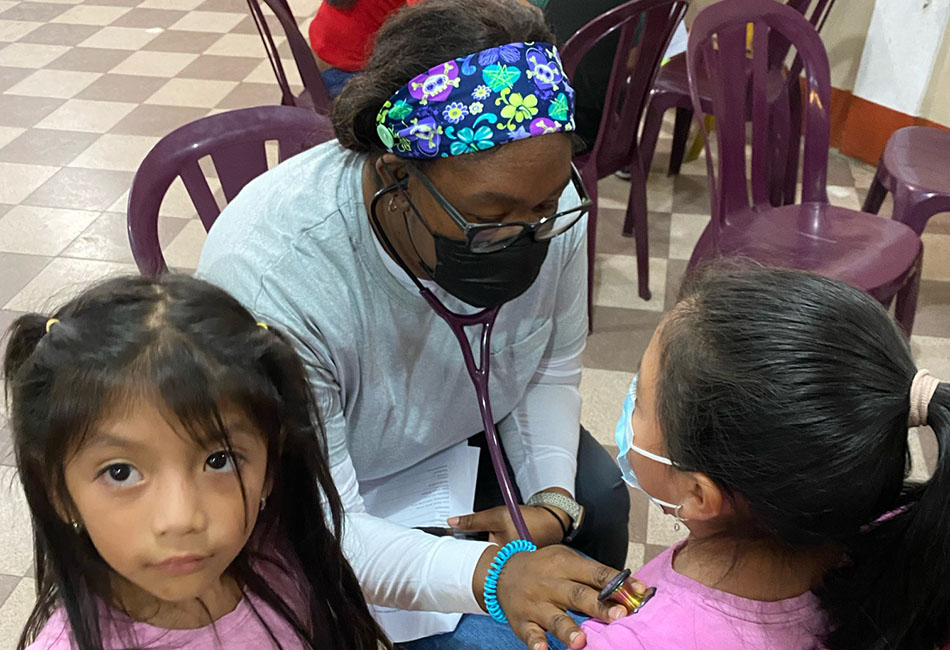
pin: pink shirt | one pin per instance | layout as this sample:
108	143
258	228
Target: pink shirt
685	614
241	629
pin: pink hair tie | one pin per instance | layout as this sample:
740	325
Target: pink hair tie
922	390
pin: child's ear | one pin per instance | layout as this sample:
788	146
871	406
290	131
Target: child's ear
705	500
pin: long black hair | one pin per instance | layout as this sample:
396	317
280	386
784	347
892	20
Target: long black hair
195	348
791	390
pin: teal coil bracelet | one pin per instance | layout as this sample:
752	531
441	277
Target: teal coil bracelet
491	582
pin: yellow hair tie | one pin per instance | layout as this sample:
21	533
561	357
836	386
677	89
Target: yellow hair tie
50	323
262	325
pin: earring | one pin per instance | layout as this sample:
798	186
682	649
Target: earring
392	204
679	518
263	503
77	527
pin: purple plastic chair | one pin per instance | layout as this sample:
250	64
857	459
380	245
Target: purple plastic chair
314	95
645	28
914	168
671	90
877	255
235	142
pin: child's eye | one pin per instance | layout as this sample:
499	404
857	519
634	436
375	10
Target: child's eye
121	474
220	461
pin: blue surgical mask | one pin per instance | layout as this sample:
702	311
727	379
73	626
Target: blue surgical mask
625	444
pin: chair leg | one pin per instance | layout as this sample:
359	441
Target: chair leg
876	193
794	148
684	117
636	220
915	209
906	309
652	123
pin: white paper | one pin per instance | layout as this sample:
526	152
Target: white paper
426	495
678	42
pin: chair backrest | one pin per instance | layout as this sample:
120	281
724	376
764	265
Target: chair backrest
645	28
235	141
717	46
299	47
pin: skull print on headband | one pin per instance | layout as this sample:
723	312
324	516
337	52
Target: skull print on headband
478	101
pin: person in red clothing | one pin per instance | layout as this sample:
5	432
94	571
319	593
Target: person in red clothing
343	33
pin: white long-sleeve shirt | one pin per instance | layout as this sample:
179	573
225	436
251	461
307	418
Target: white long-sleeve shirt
297	249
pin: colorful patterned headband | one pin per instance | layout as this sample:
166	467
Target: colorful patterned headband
478	101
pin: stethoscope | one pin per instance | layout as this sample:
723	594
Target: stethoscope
477	372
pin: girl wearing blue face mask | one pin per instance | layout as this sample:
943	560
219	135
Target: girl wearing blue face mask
770	416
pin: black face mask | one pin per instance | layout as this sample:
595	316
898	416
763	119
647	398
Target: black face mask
486	279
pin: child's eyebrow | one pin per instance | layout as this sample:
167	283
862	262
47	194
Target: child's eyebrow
102	439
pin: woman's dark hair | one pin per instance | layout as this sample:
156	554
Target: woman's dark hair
197	350
420	37
791	391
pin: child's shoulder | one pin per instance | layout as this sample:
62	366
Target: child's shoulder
55	635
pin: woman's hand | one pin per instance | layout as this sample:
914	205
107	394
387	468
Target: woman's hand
536	589
545	529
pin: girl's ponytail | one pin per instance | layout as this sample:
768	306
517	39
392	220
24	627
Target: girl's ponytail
22	338
893	593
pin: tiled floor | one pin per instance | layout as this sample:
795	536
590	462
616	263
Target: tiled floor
87	87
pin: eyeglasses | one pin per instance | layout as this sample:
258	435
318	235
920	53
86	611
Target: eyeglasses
492	237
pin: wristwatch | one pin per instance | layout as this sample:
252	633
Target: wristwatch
573	509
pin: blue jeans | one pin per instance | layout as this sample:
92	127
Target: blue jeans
477	632
334	79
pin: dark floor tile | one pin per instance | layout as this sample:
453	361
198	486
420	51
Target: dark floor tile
227	6
182	41
7	583
675	272
11	76
156	120
60	33
40	12
224	68
933	305
690	194
620	337
637	526
149	18
17	270
81	189
610	237
122	88
89	59
251	94
23	111
651	551
47	147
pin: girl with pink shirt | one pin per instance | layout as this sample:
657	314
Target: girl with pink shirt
770	416
173	462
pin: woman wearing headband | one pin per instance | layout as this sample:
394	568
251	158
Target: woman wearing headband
452	166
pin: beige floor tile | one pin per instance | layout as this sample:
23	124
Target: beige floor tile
154	64
198	93
17	181
14	613
62	280
15	529
936	257
209	21
29	55
263	73
863	174
176	204
9	133
685	230
185	249
118	152
185	5
844	197
603	392
86	115
120	38
635	552
41	231
661	528
13	30
91	14
615	283
54	83
239	45
933	353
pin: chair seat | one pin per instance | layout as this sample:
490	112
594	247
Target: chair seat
919	157
673	79
864	250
